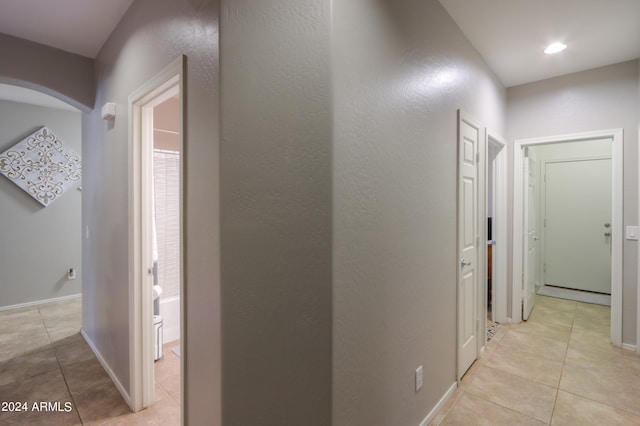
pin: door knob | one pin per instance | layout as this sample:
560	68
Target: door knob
464	263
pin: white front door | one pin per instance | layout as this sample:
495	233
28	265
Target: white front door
469	138
530	264
578	224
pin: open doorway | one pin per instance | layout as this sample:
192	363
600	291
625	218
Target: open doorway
157	336
166	220
496	223
553	157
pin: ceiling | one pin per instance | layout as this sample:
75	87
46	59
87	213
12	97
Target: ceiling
512	34
77	26
509	34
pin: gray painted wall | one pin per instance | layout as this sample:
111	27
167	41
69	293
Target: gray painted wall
276	212
65	75
151	35
401	70
39	244
277	206
379	159
598	99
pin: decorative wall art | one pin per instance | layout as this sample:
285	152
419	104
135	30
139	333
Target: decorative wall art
42	166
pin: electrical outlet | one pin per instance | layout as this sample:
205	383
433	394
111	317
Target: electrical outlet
418	378
71	274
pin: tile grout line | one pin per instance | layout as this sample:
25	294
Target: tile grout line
482	397
64	377
564	361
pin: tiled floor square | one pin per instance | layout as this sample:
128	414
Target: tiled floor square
557	368
43	357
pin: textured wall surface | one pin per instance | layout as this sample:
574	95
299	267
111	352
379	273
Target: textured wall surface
151	35
64	75
39	244
402	69
598	99
276	212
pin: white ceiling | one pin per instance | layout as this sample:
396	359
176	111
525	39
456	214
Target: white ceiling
512	34
77	26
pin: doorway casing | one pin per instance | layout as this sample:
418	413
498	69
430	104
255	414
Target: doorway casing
499	227
616	136
164	85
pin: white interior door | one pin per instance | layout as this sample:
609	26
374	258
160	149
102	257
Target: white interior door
468	242
530	264
578	224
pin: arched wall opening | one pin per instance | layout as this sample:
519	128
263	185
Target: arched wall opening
41	223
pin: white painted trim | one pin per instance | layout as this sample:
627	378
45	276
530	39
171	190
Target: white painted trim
107	368
499	279
141	340
40	302
481	214
638	277
616	221
434	412
629	347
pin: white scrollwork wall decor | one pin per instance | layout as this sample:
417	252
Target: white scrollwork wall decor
42	166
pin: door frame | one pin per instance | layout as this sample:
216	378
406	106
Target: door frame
141	337
526	225
616	135
499	279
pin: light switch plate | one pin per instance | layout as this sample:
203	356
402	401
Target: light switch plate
632	233
418	378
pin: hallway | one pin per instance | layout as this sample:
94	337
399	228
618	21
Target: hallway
43	358
557	368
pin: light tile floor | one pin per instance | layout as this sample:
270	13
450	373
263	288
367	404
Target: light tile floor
43	358
558	368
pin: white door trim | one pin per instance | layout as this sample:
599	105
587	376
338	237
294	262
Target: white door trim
617	223
141	339
499	229
637	348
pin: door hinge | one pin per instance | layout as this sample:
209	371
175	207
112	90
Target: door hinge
545	222
544	268
477	157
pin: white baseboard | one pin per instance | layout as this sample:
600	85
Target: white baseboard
629	347
40	302
108	369
432	414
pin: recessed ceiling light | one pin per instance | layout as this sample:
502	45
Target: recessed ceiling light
555	48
